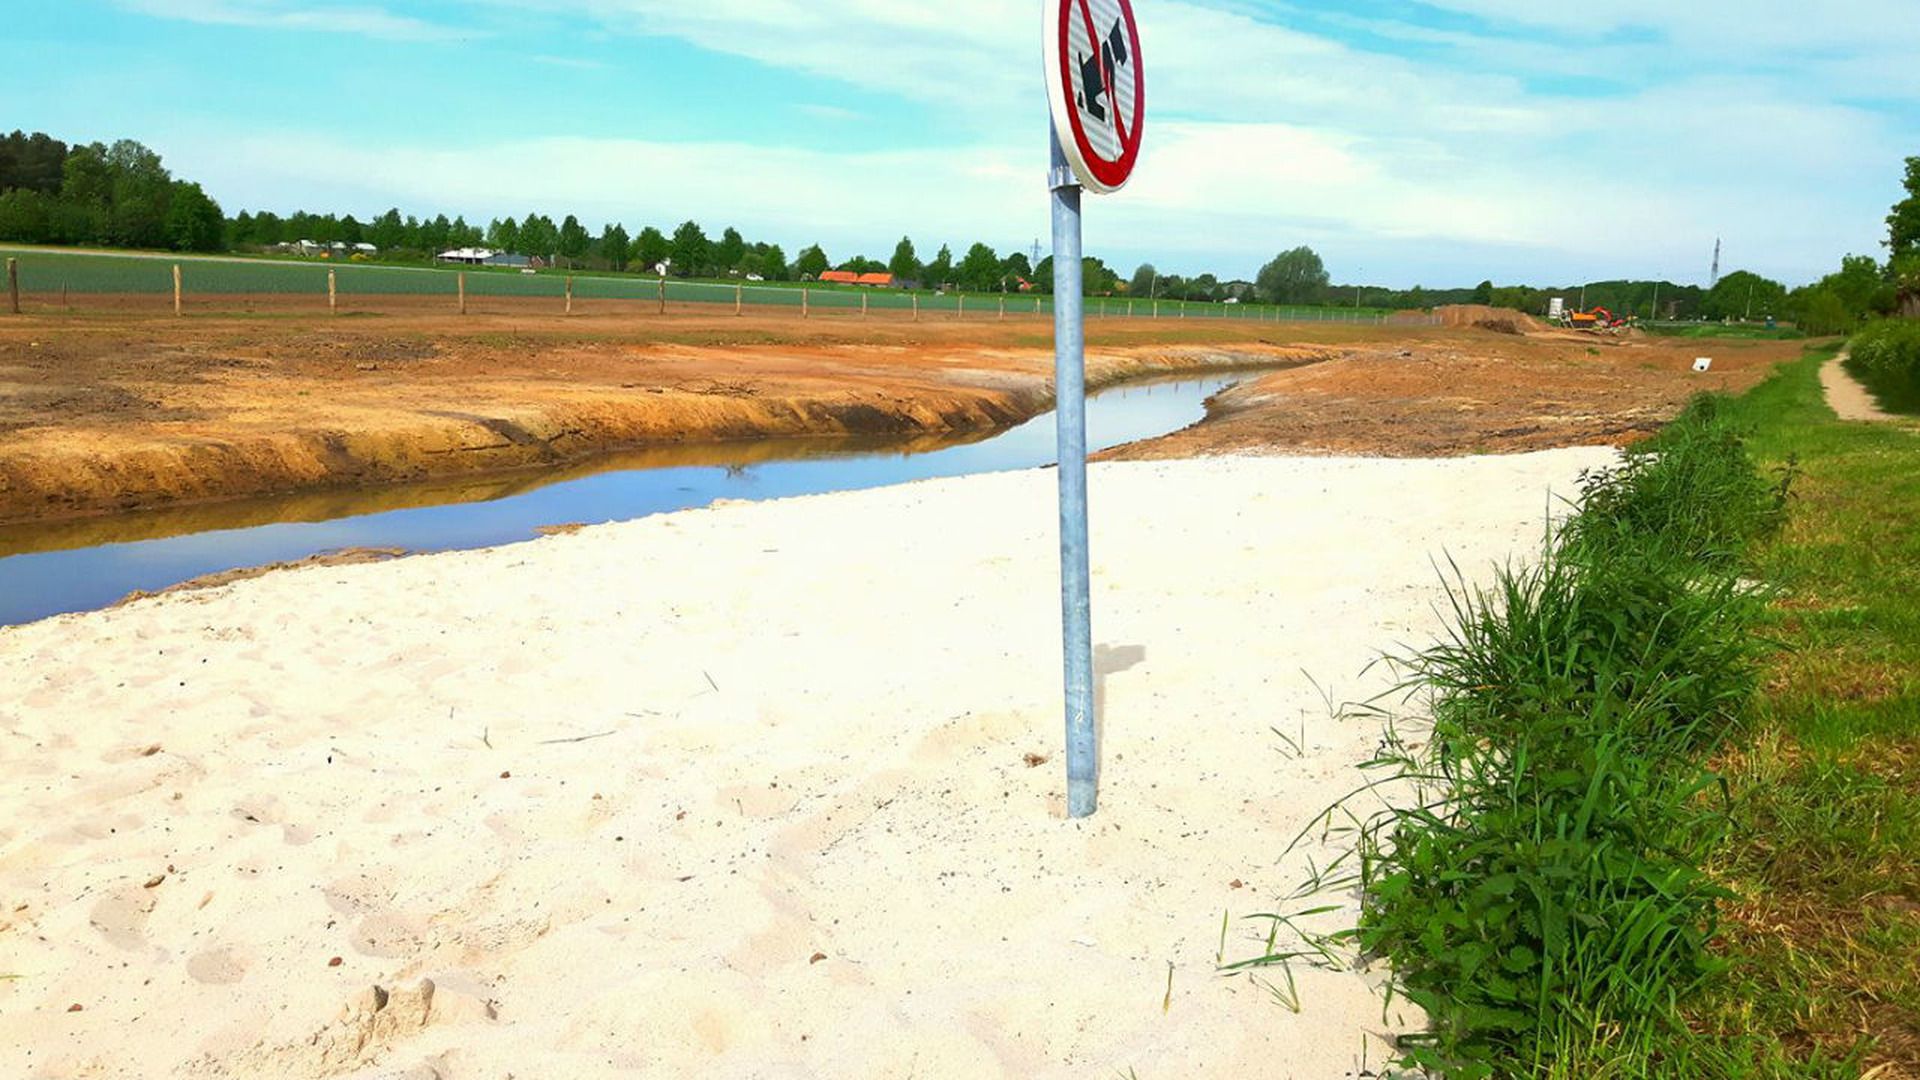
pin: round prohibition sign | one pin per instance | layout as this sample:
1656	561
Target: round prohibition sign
1097	88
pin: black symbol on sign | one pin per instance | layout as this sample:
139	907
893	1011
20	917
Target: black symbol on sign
1097	72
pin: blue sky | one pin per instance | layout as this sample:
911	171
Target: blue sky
1409	142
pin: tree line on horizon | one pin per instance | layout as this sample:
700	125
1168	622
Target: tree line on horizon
121	195
109	196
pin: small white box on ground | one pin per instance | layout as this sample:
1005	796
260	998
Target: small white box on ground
1703	364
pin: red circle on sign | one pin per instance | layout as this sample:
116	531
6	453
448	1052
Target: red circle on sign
1113	60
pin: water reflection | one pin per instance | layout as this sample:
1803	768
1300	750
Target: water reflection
81	565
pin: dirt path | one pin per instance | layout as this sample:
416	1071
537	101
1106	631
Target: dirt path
1847	396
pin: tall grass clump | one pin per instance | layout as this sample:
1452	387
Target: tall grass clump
1536	882
1692	493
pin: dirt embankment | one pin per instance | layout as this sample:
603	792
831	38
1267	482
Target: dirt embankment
100	413
1475	392
105	415
1482	317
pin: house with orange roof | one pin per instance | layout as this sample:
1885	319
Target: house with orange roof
848	277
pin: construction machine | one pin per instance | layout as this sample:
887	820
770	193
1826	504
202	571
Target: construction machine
1597	320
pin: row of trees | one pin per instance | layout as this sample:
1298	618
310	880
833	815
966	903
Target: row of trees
117	196
1863	288
123	196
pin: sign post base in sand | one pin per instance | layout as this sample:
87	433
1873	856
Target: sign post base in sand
1097	96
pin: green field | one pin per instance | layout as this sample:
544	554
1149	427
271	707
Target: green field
1726	331
46	272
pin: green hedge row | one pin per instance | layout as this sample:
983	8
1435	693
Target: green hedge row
1886	356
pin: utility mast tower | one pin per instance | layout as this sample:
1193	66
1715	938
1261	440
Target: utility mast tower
1036	253
1715	280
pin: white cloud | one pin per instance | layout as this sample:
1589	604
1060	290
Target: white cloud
1221	196
976	56
274	15
1740	121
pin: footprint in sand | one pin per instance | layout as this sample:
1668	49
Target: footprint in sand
756	801
260	809
217	967
120	916
136	752
973	733
838	816
389	936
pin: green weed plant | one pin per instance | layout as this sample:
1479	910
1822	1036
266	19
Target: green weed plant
1536	882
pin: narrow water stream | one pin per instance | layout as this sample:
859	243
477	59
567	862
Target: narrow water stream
60	567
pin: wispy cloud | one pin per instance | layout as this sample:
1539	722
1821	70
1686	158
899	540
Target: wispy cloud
370	22
1485	134
1461	124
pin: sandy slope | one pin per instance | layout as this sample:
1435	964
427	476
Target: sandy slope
799	838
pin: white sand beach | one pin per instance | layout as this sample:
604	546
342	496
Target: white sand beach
736	792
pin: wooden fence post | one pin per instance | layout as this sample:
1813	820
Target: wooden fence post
176	288
569	294
803	301
463	292
960	306
64	302
13	285
738	291
916	307
333	295
863	305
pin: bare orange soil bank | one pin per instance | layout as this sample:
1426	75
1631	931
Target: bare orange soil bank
101	412
1470	391
112	408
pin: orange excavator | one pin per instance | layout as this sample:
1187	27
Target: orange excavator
1597	319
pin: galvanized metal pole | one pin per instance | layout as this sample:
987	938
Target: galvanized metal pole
1070	394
